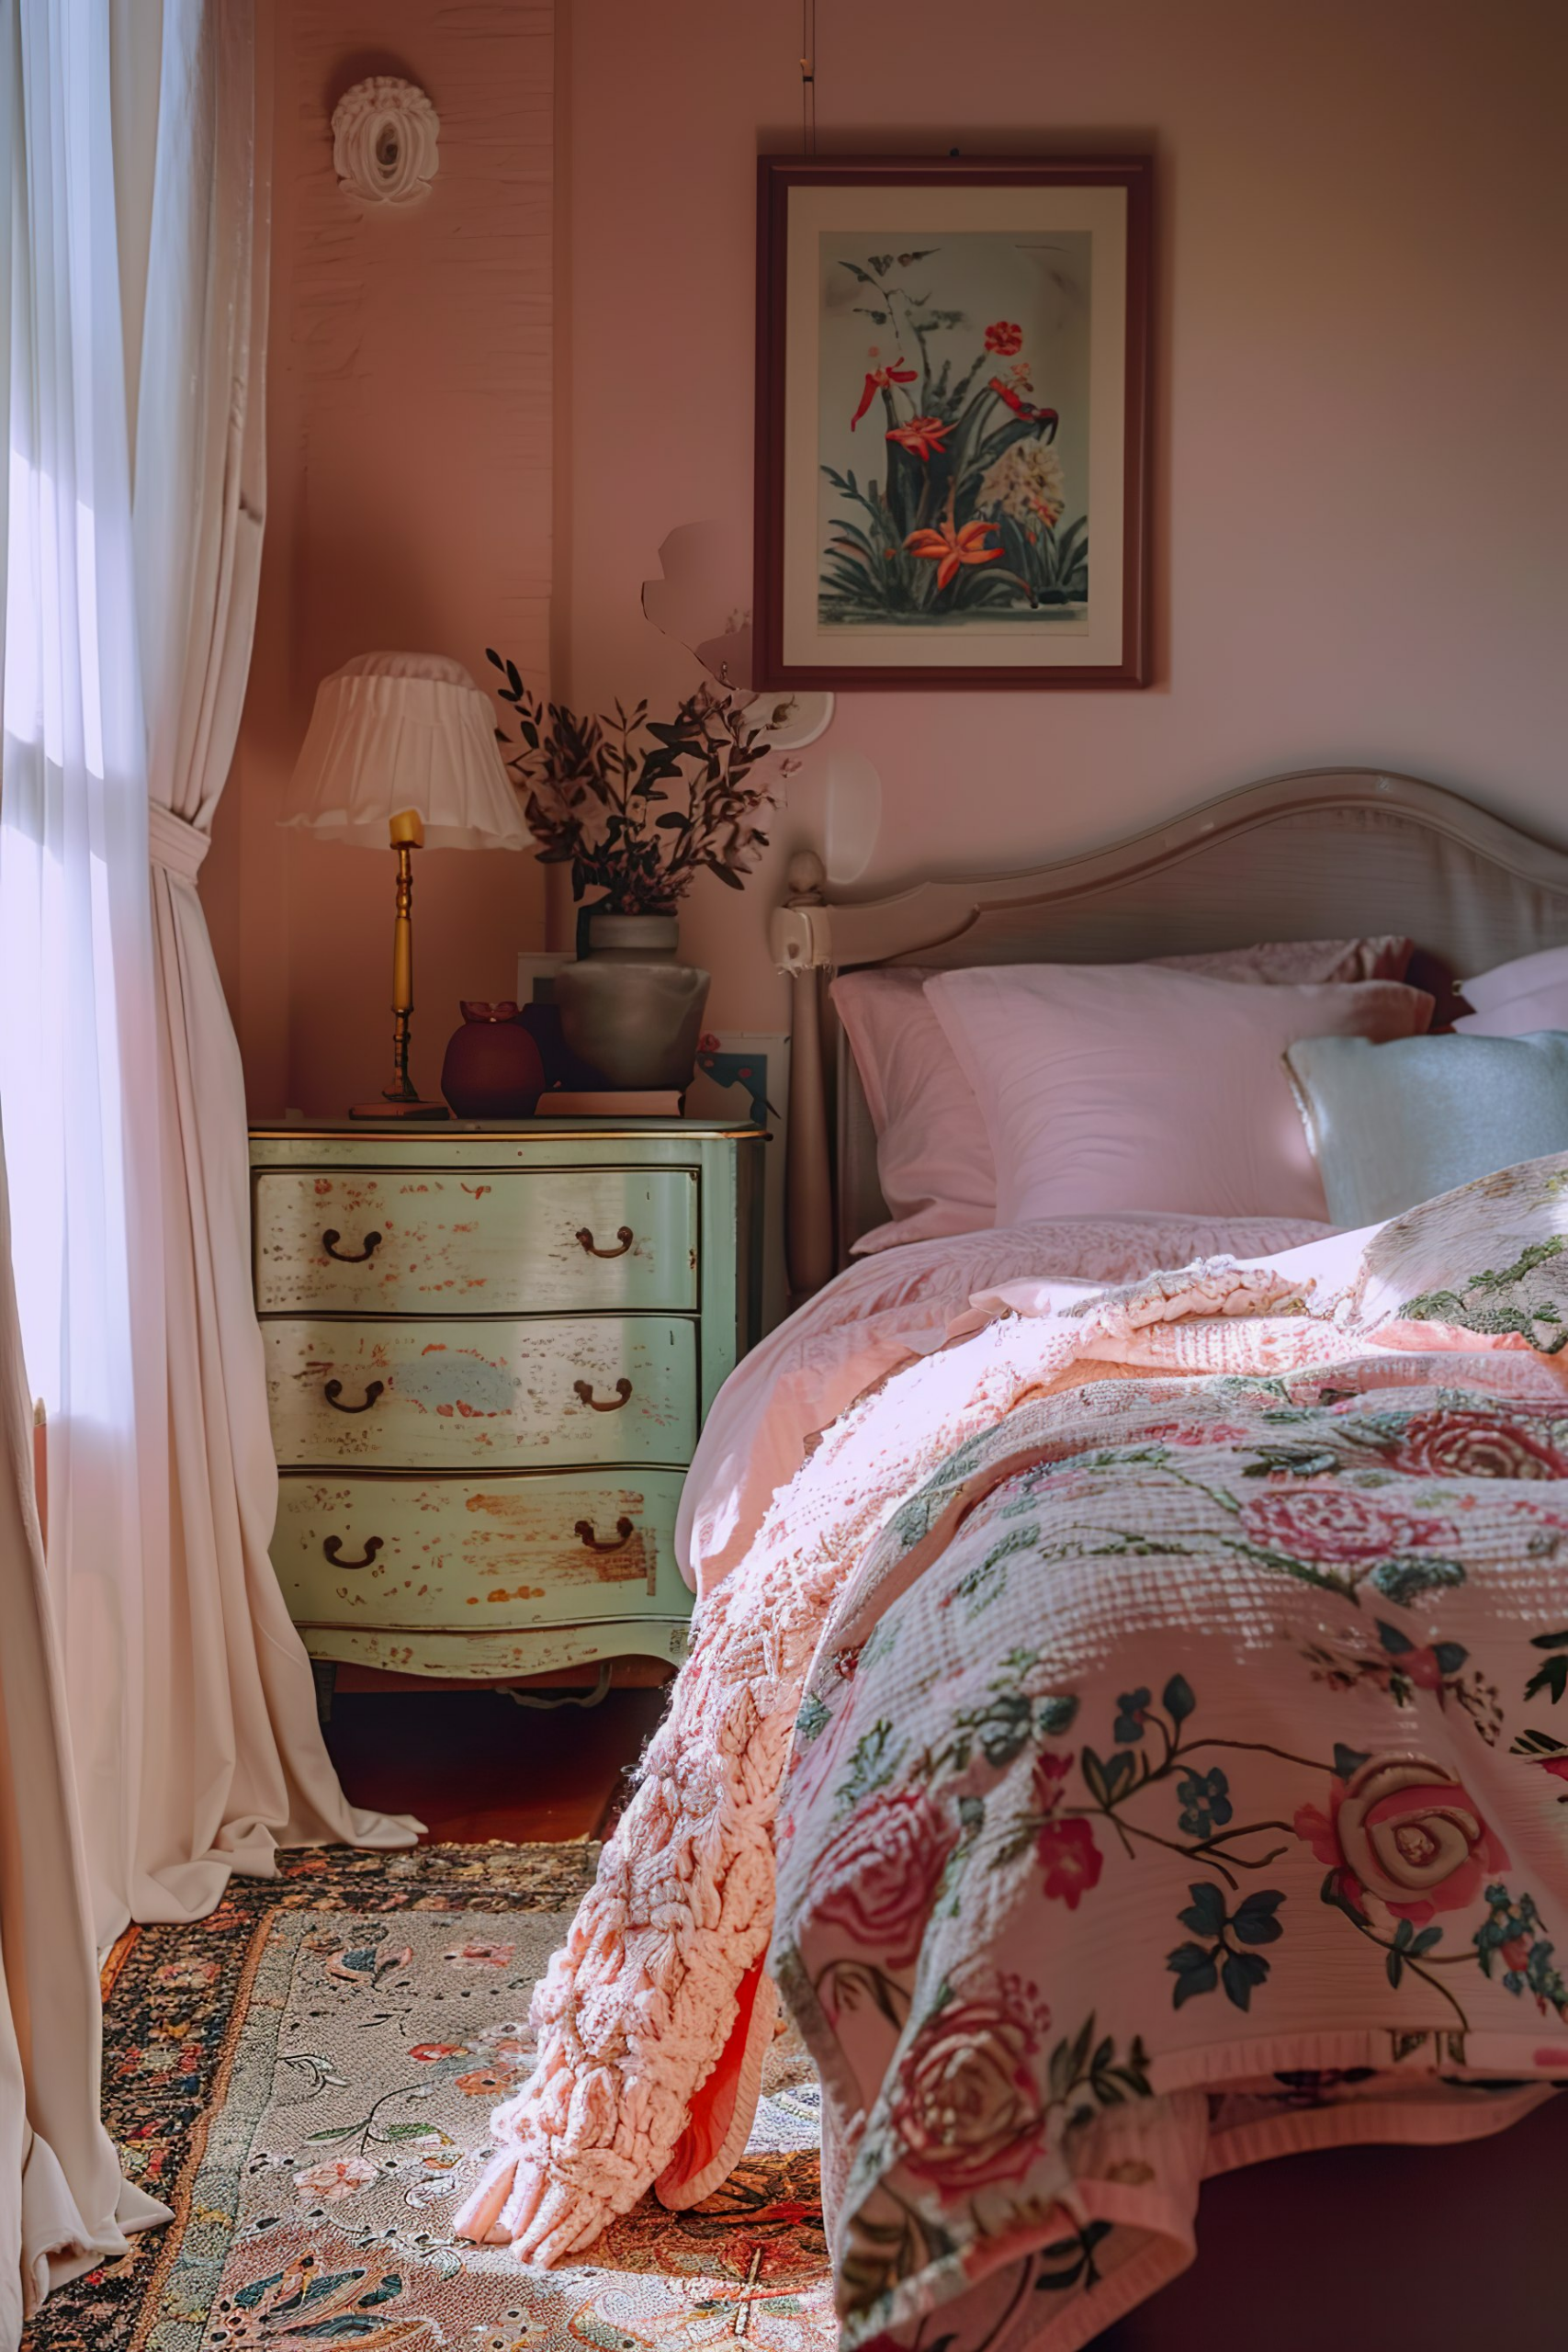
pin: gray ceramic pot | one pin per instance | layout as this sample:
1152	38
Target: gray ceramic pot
628	1007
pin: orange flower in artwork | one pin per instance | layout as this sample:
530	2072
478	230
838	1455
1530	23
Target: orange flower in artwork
923	436
878	380
950	550
1004	338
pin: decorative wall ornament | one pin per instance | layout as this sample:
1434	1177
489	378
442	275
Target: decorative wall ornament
384	140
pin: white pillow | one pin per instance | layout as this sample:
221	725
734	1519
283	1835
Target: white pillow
1112	1088
933	1160
1518	999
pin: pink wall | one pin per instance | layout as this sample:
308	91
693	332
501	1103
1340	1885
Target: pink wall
1361	485
409	507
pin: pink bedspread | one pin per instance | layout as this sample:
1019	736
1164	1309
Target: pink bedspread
653	2016
873	1316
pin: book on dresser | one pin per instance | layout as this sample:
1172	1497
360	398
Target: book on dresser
488	1352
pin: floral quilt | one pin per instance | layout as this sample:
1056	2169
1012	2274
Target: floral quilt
1173	1790
1170	1678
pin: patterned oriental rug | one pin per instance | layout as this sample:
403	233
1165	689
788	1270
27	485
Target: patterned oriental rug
306	2078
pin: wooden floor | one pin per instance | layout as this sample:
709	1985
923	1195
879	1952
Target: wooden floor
473	1766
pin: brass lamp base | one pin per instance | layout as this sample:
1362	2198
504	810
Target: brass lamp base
400	1100
399	1110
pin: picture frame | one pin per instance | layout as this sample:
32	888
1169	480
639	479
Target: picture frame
989	319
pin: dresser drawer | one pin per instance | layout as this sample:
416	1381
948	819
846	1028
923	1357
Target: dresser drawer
476	1396
489	1241
475	1556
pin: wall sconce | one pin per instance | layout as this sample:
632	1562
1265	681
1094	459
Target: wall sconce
384	140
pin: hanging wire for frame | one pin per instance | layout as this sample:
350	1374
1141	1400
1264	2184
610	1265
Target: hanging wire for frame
808	76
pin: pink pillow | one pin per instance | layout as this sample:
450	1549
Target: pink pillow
1108	1088
932	1159
1514	999
932	1156
1296	962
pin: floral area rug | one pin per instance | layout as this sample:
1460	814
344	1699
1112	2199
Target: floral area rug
307	2077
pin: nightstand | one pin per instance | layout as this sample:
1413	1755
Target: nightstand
490	1351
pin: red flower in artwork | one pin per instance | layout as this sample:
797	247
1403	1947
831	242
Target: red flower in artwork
1026	409
878	380
1004	338
1070	1859
923	436
949	550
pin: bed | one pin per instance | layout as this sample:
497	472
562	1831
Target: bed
872	1489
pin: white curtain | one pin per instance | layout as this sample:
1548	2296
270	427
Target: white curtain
137	297
62	2203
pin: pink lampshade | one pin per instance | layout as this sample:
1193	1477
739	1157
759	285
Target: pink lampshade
391	731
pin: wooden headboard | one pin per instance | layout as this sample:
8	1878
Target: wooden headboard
1329	854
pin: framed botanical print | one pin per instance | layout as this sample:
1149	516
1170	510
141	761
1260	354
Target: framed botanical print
953	412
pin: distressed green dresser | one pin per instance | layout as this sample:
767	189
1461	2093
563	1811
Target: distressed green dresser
489	1351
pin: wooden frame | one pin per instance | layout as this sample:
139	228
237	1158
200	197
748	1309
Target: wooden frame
1326	854
798	645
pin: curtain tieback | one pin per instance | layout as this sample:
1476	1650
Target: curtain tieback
177	846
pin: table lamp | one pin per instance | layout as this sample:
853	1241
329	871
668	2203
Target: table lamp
401	747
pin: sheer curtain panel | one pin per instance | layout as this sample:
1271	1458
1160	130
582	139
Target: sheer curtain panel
63	2206
134	310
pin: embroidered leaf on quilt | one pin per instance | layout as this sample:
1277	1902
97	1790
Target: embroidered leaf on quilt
1255	1922
1206	1914
1082	2063
871	1766
1551	1678
1195	1972
1105	1781
1300	1461
812	1721
1407	1943
1402	1580
1177	1697
1223	1958
1058	1713
1073	2261
1241	1973
1480	1306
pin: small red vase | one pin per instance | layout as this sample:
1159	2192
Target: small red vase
492	1069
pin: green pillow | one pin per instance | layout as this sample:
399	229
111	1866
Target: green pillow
1397	1124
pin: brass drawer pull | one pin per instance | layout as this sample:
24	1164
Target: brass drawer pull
332	1547
625	1531
585	1389
334	1390
624	1235
331	1238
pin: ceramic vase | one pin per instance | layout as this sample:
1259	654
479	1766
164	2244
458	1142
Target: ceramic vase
629	1006
492	1069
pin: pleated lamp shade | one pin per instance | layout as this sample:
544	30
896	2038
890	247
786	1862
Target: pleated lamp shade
392	731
